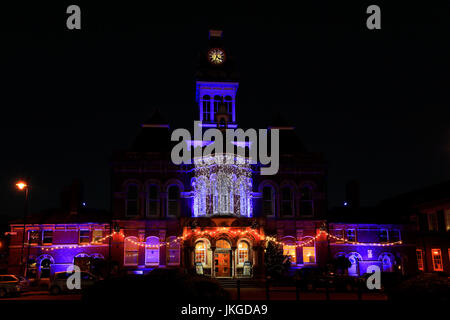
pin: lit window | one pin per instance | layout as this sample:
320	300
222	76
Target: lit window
290	250
419	254
131	249
200	252
432	222
152	200
447	219
47	237
152	251
309	255
437	260
242	252
97	235
132	207
33	237
84	236
173	201
351	235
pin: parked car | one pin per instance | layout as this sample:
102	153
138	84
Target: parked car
9	285
58	282
24	283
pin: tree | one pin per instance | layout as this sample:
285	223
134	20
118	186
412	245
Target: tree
276	263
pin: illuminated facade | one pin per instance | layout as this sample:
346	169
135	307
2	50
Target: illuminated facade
212	217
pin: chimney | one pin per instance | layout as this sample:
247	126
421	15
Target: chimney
352	194
71	197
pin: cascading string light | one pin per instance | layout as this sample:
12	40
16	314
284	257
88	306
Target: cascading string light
223	230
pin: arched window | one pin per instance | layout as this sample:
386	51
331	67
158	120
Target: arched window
206	105
306	201
173	200
152	200
223	244
200	252
152	251
217	101
173	251
287	202
132	201
229	104
45	268
131	249
290	250
387	260
242	252
354	258
309	252
268	201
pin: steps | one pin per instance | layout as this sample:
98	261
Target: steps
245	283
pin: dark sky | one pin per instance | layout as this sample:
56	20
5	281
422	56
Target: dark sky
375	102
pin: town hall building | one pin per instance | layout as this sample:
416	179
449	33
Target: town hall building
212	217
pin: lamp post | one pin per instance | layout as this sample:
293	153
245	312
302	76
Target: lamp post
22	185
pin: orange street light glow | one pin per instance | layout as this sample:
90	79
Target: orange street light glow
21	185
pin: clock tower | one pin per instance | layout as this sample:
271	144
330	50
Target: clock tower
216	84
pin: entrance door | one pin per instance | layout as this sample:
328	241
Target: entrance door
222	264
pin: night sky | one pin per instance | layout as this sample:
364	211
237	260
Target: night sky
375	102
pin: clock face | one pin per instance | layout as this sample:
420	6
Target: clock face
216	56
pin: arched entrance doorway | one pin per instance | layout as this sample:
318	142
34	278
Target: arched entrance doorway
222	259
354	258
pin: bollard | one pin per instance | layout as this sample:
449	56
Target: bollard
238	286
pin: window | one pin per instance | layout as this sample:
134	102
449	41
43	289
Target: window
223	244
229	105
339	234
447	219
306	202
131	248
132	207
419	255
289	249
45	268
268	201
383	236
33	237
200	252
152	200
351	235
47	237
97	235
206	108
173	251
152	251
432	222
309	255
217	101
242	252
287	203
437	260
84	236
394	236
173	198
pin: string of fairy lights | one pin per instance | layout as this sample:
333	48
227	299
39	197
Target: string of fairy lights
218	231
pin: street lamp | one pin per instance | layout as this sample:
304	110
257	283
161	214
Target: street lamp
22	185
